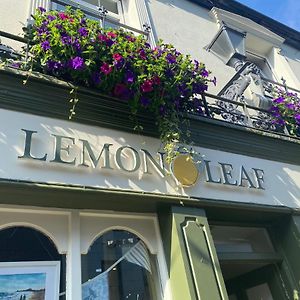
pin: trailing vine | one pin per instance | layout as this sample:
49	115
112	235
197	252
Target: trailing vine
160	80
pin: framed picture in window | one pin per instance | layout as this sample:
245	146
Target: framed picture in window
38	280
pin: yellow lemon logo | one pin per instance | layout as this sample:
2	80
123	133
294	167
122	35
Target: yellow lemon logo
185	170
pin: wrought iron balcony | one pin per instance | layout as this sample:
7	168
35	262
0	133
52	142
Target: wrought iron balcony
225	107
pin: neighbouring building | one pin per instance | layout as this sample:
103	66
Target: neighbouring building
86	207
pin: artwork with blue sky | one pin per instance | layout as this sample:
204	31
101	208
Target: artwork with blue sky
18	282
286	12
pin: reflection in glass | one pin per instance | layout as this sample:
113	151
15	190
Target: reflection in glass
118	266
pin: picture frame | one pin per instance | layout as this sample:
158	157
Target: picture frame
30	280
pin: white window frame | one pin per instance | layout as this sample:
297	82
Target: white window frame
110	16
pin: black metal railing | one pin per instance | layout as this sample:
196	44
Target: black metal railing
237	112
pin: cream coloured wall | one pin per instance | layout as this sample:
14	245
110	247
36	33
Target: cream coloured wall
281	181
189	28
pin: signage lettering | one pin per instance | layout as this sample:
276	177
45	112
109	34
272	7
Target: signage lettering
130	160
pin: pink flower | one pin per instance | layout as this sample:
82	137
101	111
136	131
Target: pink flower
120	90
63	16
156	80
147	86
103	38
117	56
112	35
106	68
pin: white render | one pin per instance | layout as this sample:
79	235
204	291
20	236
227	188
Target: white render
279	177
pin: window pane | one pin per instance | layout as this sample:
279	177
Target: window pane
118	266
241	239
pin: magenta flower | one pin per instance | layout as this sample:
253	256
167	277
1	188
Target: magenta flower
106	68
120	90
156	80
117	56
147	86
111	35
103	38
63	16
142	54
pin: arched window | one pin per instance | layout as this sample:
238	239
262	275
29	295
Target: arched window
23	244
118	266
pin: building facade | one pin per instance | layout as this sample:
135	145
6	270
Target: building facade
91	203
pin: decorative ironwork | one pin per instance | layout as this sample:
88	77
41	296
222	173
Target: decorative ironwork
147	27
265	121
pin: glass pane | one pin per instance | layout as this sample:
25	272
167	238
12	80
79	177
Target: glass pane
261	292
27	244
241	239
118	266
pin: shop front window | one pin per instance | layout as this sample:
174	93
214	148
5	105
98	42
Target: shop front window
118	266
23	251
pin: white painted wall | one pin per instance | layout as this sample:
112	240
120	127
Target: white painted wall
282	181
182	23
189	28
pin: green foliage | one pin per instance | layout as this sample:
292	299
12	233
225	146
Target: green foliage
162	80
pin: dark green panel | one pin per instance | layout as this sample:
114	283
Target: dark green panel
202	259
193	265
47	96
286	236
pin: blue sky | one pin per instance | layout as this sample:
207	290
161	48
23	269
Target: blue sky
286	12
12	283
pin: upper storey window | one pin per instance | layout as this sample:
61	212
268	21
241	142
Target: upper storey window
96	9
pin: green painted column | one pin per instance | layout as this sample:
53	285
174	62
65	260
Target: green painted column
287	242
191	256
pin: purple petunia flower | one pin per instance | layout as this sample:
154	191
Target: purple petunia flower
297	118
45	45
59	26
204	73
145	101
171	58
199	87
96	79
41	9
214	81
77	63
66	39
129	76
51	18
53	65
76	46
279	100
83	31
169	73
290	106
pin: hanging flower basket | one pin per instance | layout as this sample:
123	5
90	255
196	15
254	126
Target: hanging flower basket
160	80
286	110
